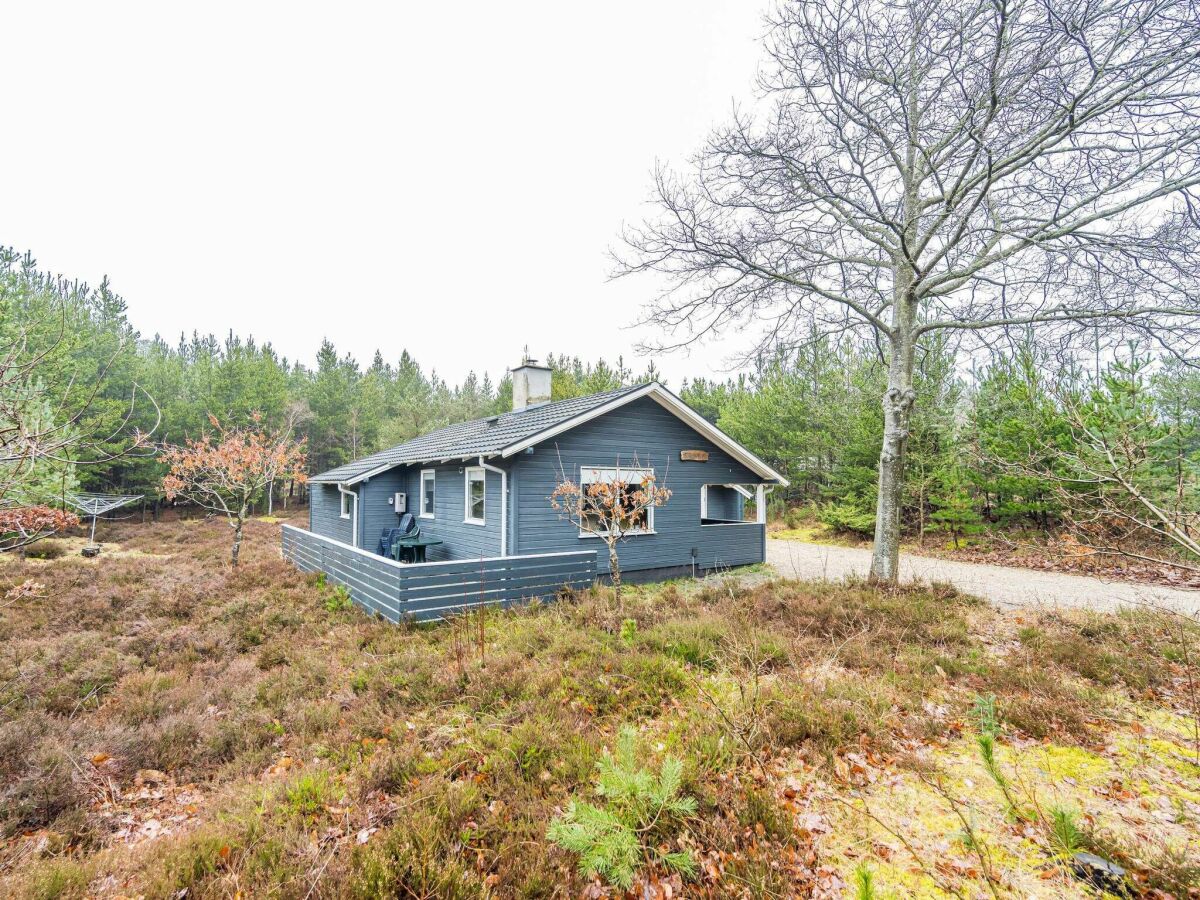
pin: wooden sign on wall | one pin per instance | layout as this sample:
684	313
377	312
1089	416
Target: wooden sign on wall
693	455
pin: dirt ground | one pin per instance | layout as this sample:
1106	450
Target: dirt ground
1003	585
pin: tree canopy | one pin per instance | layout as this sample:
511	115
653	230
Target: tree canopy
944	166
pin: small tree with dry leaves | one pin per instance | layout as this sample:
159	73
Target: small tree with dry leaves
224	472
21	526
611	504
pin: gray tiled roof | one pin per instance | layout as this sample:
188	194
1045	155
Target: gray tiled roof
482	436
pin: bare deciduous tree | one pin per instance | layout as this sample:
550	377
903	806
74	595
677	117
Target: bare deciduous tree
958	165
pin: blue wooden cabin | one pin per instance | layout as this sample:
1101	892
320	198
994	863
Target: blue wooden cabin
482	488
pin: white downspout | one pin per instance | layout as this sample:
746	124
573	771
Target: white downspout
353	515
483	464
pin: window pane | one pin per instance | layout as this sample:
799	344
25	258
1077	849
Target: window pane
427	494
630	518
476	495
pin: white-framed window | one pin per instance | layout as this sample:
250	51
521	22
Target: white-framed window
428	487
347	504
475	490
631	477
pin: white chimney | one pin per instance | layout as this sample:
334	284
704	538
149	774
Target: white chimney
531	384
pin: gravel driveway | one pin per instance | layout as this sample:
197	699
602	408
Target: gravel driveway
1003	585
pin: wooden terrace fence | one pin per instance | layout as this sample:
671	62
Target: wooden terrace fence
434	590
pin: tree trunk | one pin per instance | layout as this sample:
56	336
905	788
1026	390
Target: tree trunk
614	571
898	402
921	511
237	536
899	397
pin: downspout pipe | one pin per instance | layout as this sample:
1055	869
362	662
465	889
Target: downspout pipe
354	515
488	467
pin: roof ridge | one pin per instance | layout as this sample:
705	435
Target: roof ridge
518	412
552	403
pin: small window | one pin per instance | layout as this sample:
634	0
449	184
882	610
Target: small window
476	506
347	499
428	483
628	481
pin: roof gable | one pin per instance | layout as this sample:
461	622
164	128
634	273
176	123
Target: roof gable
511	433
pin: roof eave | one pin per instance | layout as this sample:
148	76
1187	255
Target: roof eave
324	478
379	470
371	473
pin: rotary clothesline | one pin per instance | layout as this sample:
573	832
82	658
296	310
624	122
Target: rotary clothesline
98	504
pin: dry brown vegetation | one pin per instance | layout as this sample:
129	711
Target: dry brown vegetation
169	723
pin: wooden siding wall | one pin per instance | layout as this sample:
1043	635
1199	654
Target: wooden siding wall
460	540
656	436
430	591
325	513
378	512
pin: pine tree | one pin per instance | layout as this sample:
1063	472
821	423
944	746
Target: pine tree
639	809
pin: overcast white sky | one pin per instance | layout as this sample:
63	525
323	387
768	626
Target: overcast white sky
442	177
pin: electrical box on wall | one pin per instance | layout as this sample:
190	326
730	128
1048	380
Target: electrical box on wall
400	502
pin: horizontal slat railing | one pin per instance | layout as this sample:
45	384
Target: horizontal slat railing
428	591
